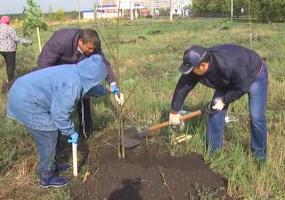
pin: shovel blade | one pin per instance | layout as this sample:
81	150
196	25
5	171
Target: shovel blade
133	138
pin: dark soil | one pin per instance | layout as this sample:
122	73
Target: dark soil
147	173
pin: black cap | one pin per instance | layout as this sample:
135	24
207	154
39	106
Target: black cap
192	57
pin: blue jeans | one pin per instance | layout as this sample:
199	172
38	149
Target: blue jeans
257	102
46	144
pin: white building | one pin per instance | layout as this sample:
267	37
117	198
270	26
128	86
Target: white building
109	8
125	8
88	14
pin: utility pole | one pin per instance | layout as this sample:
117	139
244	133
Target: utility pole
152	8
170	10
78	3
250	26
131	10
232	9
95	6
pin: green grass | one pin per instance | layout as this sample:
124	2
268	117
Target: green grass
149	72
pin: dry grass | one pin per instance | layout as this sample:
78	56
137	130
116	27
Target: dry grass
19	181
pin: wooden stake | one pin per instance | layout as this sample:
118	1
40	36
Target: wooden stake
74	159
39	39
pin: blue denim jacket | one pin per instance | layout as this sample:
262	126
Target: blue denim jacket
43	100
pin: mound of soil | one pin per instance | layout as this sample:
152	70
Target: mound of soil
147	173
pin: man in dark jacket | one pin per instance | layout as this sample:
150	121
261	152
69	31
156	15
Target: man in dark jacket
232	71
69	46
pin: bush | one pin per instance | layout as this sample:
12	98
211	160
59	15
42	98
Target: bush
271	11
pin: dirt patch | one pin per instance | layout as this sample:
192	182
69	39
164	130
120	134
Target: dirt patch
147	173
135	40
155	32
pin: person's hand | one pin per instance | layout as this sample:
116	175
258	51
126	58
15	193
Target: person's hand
73	138
120	99
218	104
114	89
174	119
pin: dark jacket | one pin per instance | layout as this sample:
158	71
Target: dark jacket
61	49
232	69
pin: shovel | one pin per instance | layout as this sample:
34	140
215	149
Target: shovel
132	138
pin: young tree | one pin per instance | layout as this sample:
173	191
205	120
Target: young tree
34	19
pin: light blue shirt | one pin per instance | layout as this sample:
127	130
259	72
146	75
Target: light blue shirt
43	100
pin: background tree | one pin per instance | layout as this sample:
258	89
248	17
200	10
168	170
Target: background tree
60	15
211	7
199	7
271	10
34	19
264	10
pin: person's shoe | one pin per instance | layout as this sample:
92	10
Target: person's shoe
49	179
62	167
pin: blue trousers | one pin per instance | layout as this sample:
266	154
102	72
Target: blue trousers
257	102
46	144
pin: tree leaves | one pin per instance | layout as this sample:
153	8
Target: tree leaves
33	17
265	10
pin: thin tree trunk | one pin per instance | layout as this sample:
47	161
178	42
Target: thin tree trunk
232	9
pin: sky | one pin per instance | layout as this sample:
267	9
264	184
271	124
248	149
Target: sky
16	6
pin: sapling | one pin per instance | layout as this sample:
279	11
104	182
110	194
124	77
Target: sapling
34	19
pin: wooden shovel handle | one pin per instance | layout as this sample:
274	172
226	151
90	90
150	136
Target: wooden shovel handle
184	118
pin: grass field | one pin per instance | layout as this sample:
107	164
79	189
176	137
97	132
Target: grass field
148	57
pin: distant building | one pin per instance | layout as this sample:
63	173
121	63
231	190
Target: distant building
107	11
88	14
109	8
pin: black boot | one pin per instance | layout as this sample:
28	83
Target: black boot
62	167
49	179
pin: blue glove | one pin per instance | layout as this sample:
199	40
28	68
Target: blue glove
114	89
73	138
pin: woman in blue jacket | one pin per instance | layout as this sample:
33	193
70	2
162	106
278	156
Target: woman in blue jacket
43	100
